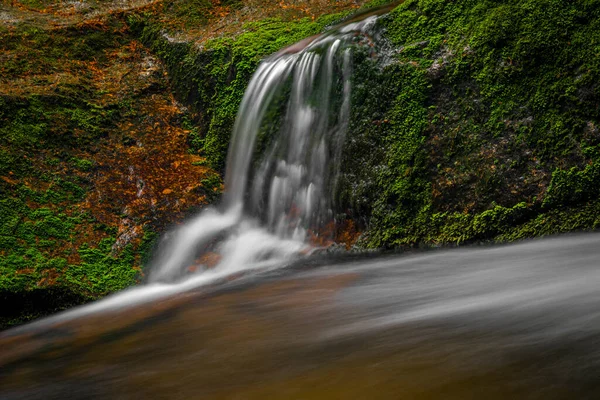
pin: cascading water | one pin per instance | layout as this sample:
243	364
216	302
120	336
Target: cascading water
269	207
295	114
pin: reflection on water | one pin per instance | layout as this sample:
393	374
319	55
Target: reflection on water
519	321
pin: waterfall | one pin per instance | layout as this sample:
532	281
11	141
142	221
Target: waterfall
272	201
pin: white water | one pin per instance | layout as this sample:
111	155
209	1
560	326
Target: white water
270	206
502	322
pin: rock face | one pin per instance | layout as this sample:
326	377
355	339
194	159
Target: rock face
474	120
94	159
482	123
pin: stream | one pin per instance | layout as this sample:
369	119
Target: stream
517	321
241	303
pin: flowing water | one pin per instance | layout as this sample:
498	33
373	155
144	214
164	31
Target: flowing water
271	318
271	204
519	321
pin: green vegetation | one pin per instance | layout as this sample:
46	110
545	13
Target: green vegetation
212	79
80	203
41	258
494	127
43	133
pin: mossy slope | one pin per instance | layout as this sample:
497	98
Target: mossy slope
93	162
485	120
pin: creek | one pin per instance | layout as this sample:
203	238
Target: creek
241	303
518	321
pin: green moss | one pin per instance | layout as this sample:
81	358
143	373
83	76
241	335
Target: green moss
213	79
495	120
82	164
46	137
101	272
38	122
573	186
583	217
405	188
211	187
26	262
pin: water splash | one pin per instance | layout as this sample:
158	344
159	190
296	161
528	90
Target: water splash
302	94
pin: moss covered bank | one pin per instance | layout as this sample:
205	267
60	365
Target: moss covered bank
491	128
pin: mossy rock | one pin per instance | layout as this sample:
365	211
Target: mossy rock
489	118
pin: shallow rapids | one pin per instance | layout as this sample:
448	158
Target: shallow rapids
515	321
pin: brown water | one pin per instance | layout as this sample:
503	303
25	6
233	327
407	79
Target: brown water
519	321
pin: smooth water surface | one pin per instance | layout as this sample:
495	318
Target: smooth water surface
516	321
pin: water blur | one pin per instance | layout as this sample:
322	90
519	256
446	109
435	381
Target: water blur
294	114
517	321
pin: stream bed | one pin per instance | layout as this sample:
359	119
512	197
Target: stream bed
513	321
